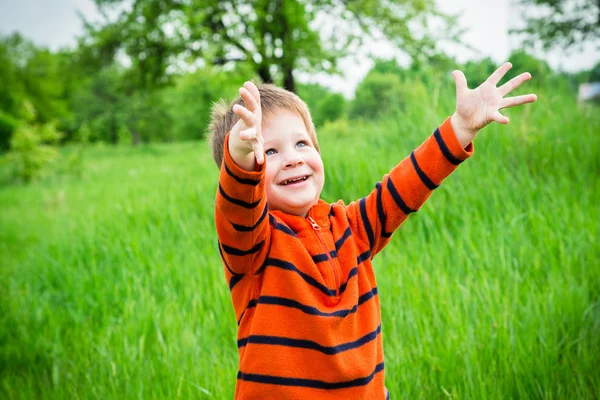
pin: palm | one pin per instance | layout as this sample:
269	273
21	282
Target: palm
479	107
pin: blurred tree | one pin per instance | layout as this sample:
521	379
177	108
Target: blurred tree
562	23
594	74
524	62
376	95
276	37
104	106
323	104
33	151
477	71
188	103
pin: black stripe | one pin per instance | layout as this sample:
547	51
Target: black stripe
331	211
237	201
444	149
244	181
366	223
309	344
281	301
307	278
422	175
323	257
311	383
387	394
251	304
237	252
243	228
234	280
396	196
281	227
225	262
340	241
381	212
353	272
262	267
363	257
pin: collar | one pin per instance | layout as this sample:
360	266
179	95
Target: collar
319	212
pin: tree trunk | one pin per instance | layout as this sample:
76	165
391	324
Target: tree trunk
264	73
288	79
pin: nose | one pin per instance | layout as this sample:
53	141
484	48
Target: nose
293	161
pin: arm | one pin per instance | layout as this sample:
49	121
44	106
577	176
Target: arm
405	189
411	182
241	206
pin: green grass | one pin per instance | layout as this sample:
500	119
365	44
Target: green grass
111	286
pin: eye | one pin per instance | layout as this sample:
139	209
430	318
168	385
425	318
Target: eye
270	152
302	143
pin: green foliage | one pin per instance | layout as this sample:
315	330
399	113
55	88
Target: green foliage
124	136
478	71
323	104
145	115
524	62
8	125
595	74
33	75
275	38
188	104
376	95
32	151
330	108
84	134
104	103
112	286
562	23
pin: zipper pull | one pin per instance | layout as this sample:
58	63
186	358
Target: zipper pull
314	225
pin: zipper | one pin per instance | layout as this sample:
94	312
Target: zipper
316	229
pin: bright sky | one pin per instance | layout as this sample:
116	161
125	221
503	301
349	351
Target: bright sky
55	23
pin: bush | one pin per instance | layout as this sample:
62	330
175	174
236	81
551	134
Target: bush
376	95
32	152
523	62
478	71
188	104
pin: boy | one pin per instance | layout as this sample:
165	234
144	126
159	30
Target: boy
299	269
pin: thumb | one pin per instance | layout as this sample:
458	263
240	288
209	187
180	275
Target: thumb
460	80
500	118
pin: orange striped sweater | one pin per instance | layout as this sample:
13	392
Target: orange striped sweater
303	289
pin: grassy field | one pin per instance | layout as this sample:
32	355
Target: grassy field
111	286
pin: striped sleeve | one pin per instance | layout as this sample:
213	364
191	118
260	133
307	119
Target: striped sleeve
403	191
241	218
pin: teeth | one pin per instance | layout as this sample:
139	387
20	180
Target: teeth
294	180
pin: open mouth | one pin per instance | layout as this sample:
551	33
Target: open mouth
294	181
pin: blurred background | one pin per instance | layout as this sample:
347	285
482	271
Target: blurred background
110	282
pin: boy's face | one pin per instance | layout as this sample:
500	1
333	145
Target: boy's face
294	175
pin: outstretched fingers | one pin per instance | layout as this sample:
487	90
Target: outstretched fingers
517	100
253	90
460	80
249	100
244	114
514	83
499	73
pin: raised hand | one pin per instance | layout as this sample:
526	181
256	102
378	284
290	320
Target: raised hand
245	140
478	107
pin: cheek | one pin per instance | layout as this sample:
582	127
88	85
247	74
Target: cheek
317	165
270	172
